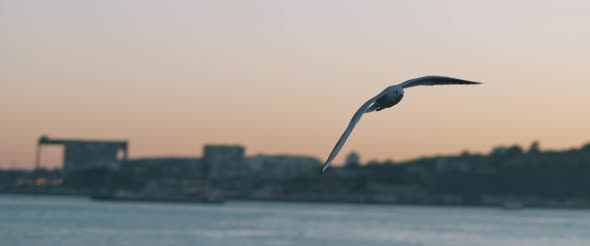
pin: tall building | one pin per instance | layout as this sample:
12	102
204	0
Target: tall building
223	161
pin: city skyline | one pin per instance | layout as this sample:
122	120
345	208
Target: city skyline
285	77
53	156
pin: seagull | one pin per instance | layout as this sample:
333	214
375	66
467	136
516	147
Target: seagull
389	97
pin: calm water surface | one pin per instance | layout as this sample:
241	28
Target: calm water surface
28	220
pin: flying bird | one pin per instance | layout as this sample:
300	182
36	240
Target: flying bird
389	97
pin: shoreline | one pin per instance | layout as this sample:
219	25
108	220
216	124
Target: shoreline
504	206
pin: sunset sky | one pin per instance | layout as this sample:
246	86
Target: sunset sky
284	77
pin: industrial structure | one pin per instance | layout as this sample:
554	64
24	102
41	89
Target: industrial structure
82	154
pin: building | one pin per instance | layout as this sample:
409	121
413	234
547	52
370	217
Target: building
84	154
281	167
223	161
164	167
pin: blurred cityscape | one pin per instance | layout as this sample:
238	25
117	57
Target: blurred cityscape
508	176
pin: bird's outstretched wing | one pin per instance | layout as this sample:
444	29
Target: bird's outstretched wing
353	121
436	80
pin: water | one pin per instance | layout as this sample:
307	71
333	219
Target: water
28	220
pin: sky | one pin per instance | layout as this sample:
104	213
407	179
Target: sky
285	77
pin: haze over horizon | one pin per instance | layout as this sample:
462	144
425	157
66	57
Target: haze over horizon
286	76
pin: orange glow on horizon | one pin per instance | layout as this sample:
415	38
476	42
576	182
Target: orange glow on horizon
285	77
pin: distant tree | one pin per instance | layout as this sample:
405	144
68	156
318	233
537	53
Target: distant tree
514	150
534	148
498	150
465	153
352	160
501	154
